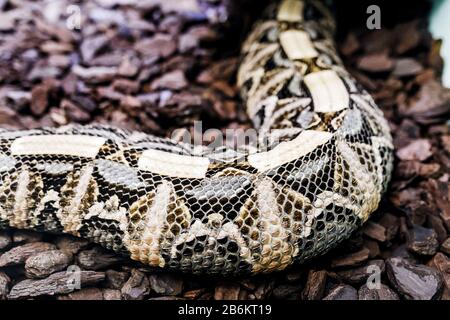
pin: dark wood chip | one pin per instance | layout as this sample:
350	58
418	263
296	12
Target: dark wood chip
111	294
43	264
375	231
58	283
5	240
422	241
160	46
166	284
414	282
379	62
174	80
445	247
361	274
352	259
406	67
137	286
39	99
70	245
442	263
408	36
116	279
84	294
90	46
286	292
342	292
315	285
381	293
227	291
419	150
97	258
18	255
4	285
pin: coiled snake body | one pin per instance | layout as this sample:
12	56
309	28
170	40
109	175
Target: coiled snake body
326	161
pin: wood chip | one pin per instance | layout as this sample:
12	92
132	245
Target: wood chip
419	150
375	231
315	285
352	259
57	283
20	254
160	46
97	258
227	292
376	63
43	264
174	80
137	287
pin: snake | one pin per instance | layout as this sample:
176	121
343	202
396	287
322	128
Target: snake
318	167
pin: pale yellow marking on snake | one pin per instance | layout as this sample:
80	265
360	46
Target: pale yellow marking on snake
246	71
50	196
291	11
231	230
323	200
197	229
173	165
155	221
59	144
297	45
366	151
328	92
377	143
269	104
252	43
20	206
277	80
109	210
288	151
296	104
273	235
70	216
370	196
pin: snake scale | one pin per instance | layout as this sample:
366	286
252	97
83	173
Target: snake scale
326	162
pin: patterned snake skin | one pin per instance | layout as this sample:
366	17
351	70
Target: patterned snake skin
326	162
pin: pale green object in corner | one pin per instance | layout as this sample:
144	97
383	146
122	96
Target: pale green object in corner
440	27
